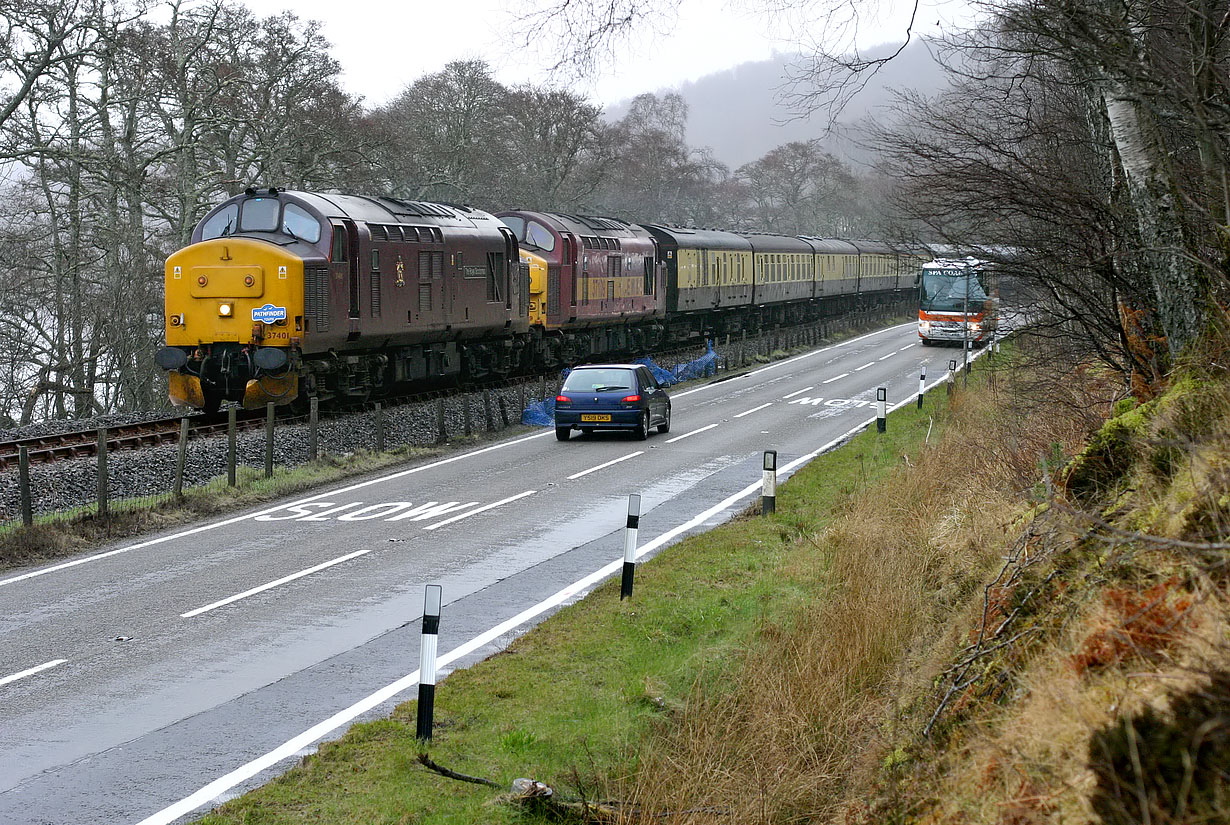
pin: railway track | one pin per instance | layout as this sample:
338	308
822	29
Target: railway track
84	443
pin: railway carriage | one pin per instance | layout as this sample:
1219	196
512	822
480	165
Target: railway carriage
708	275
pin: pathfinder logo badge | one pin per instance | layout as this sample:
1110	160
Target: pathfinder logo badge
269	313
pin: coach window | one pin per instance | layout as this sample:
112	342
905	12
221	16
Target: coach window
298	223
259	215
221	223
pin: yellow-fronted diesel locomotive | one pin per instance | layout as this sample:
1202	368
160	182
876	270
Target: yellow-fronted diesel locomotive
287	295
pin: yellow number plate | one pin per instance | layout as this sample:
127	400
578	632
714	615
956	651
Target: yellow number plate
595	418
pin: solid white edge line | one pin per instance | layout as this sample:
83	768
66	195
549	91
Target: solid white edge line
293	746
692	433
31	671
270	585
247	516
834	378
797	392
482	509
754	409
575	476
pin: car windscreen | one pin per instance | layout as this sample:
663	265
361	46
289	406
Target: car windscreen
599	380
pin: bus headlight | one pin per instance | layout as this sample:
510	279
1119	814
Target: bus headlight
924	326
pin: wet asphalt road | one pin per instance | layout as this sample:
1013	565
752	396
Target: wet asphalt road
171	665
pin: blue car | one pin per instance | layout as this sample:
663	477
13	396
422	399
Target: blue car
611	397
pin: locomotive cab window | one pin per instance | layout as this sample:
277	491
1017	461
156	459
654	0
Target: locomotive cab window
259	215
221	223
298	223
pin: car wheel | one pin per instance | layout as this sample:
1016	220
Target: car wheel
562	433
926	342
642	430
665	426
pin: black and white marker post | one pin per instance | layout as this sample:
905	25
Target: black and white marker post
881	409
922	384
634	523
768	498
427	660
952	374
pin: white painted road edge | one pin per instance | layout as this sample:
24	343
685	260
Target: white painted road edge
236	519
291	747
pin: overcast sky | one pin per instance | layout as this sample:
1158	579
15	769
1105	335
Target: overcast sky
384	45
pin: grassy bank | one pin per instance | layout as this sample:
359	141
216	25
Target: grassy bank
751	675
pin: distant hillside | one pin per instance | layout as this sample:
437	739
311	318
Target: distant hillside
738	113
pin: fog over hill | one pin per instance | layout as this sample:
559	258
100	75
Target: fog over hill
739	113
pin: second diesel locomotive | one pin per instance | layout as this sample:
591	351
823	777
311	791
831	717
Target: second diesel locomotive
285	295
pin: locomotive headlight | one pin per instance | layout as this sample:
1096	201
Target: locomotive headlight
226	310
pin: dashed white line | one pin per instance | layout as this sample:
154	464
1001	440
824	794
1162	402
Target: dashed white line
694	432
907	346
31	671
603	466
270	585
886	357
835	378
754	409
865	366
798	392
482	509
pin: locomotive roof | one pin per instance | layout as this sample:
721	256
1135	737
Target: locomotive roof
582	224
368	209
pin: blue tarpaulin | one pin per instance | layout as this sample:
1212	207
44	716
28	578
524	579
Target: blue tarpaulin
542	413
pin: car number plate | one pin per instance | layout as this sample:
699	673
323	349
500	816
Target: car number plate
595	417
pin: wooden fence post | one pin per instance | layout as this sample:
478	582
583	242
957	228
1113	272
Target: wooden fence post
181	460
232	457
104	505
23	483
269	440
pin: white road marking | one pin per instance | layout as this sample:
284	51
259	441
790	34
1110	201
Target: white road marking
689	435
754	409
907	346
790	361
482	509
798	392
270	585
865	366
835	378
247	516
603	466
886	357
211	792
31	671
